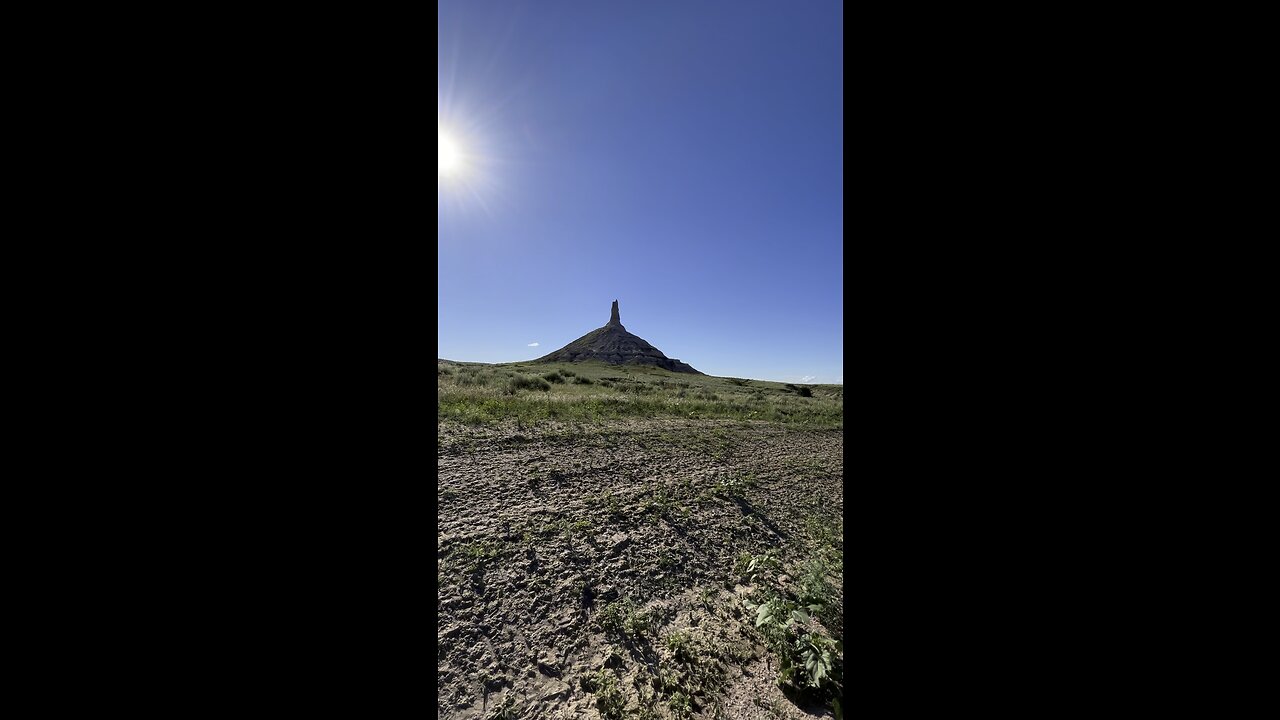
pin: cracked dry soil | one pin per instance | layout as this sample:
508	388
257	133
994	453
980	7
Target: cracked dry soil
542	529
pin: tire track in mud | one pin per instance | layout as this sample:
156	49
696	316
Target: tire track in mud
539	528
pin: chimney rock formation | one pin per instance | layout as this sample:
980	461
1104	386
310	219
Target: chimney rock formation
613	344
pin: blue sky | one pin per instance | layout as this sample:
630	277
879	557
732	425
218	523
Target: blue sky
682	157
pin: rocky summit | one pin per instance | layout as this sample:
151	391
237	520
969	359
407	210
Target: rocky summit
613	344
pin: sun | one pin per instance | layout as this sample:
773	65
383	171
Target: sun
449	157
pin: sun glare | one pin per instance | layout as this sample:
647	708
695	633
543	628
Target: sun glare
449	157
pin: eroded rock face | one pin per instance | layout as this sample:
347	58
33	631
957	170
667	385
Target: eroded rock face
613	344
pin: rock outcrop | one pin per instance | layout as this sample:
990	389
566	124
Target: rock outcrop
613	344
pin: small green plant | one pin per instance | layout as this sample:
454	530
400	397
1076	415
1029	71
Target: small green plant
623	618
678	644
751	567
658	503
480	551
815	652
808	659
611	504
609	698
736	486
612	616
679	705
554	377
636	623
813	587
668	680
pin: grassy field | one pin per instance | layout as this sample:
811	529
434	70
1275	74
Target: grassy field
476	393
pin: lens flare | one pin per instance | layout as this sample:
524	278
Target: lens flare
450	159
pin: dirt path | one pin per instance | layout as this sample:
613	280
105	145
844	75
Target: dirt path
542	531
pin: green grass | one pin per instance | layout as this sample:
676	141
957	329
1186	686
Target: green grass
530	393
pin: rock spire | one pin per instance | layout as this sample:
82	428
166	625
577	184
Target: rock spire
613	317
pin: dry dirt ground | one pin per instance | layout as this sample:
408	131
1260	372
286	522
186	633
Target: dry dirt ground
589	571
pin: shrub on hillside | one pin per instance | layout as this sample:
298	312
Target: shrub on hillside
524	382
475	378
554	376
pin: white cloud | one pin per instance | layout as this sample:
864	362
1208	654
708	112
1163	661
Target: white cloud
808	378
533	344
